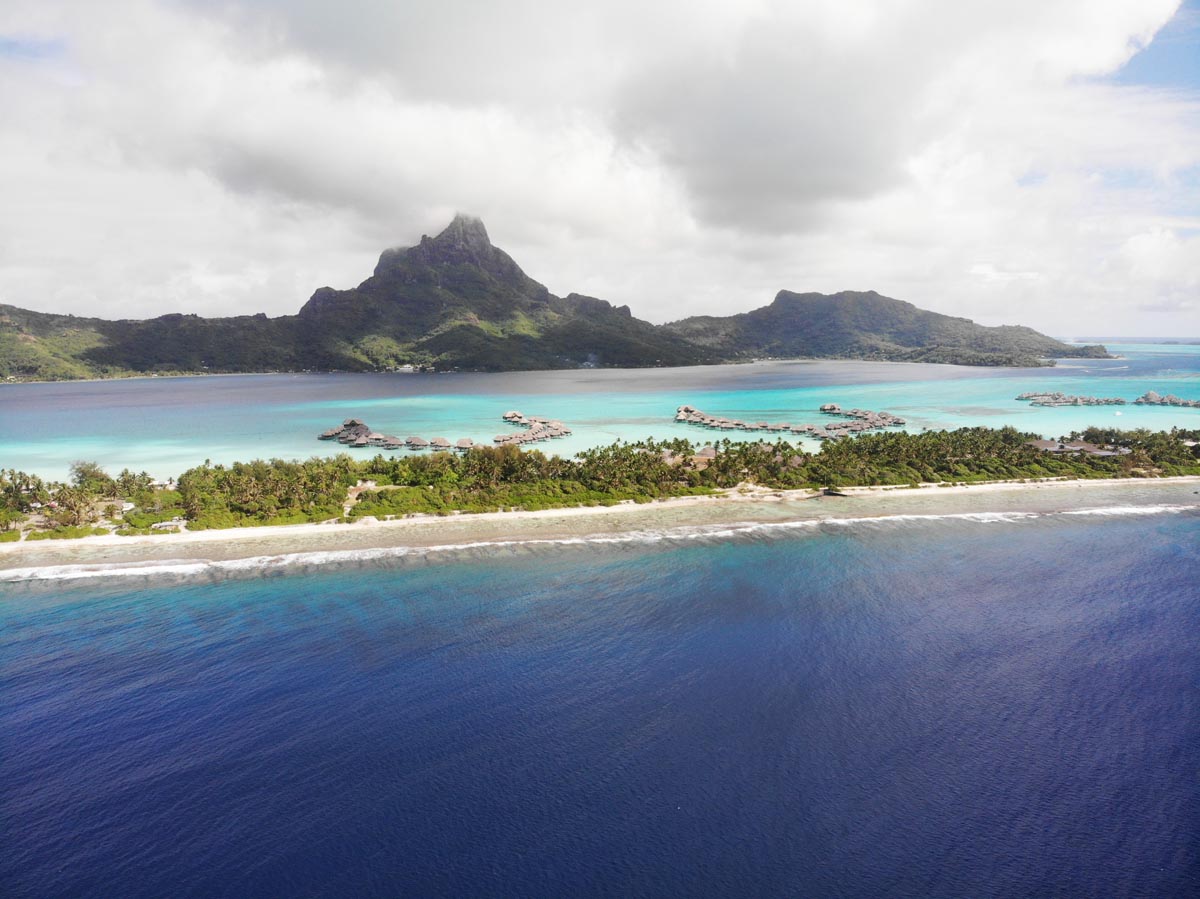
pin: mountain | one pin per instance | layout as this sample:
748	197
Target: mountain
39	346
457	301
852	325
452	301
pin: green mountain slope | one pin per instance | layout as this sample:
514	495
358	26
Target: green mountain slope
457	301
452	301
870	326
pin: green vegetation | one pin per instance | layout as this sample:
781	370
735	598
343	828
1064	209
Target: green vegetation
456	301
274	492
55	511
489	479
854	325
486	479
66	532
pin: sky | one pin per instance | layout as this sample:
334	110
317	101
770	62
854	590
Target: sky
1033	162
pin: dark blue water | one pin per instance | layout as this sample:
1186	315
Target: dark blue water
909	709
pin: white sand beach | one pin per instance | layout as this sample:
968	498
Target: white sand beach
739	507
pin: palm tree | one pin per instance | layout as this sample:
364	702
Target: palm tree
74	506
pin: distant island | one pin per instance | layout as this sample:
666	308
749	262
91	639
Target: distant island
456	302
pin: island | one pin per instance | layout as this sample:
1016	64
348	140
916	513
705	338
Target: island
456	302
506	478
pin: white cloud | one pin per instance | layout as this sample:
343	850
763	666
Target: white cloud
680	157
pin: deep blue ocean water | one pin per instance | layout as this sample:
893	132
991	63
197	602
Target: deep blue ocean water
905	708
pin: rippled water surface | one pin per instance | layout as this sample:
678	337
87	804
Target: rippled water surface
1001	705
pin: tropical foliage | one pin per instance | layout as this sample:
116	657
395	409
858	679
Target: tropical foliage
488	479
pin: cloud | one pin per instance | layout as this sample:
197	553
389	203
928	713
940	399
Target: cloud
679	157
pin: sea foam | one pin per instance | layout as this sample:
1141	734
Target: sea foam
216	569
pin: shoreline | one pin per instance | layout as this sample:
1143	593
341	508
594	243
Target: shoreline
742	507
1049	362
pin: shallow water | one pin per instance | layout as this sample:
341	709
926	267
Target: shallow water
911	693
166	425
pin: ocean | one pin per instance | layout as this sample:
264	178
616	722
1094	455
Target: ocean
912	694
992	705
166	425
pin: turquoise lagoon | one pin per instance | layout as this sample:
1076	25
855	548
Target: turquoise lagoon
165	425
947	697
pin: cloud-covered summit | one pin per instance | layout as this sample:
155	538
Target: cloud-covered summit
682	158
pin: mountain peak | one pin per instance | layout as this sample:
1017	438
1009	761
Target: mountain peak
465	239
465	231
461	258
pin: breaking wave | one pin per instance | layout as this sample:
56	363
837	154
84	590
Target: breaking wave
209	569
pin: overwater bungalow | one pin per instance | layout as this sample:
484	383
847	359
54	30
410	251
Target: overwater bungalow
539	429
1152	398
1056	398
417	443
440	443
464	444
860	420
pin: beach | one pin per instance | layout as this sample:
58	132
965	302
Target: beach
879	694
746	509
